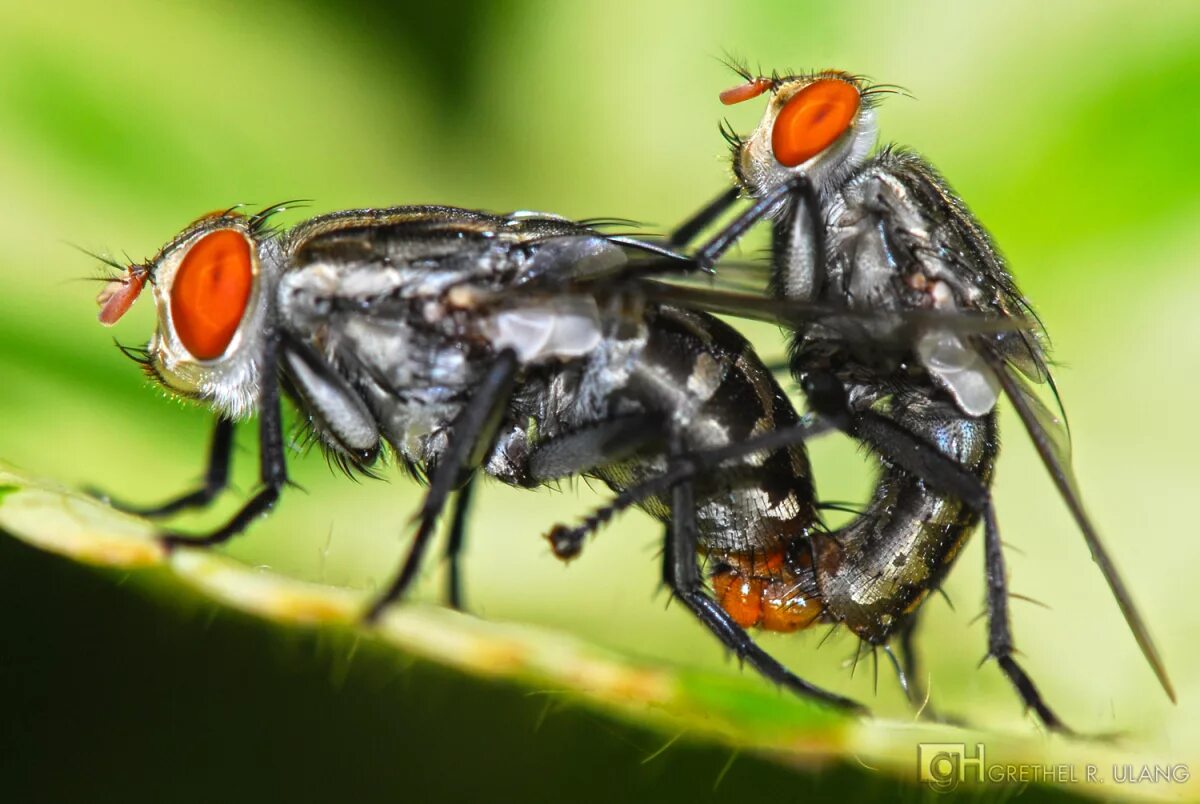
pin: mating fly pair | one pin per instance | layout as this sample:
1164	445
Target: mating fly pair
533	348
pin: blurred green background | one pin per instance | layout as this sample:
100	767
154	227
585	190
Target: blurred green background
1069	127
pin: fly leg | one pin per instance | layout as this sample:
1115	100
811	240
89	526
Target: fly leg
1000	642
454	545
914	684
272	461
580	452
687	231
563	456
895	443
681	574
216	478
583	452
913	681
471	435
681	570
568	541
797	186
708	254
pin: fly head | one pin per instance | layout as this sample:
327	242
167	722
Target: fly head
210	288
820	125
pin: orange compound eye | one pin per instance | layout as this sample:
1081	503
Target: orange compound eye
210	292
812	119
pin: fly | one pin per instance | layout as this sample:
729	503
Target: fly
514	346
879	234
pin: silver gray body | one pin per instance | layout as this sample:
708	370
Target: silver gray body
391	318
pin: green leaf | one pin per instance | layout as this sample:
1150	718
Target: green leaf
250	666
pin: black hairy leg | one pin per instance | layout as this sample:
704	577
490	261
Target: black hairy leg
216	478
796	186
569	541
272	461
681	574
914	682
687	231
454	545
894	443
1000	642
471	435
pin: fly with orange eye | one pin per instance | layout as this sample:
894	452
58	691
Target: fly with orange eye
874	233
465	343
446	337
212	345
211	289
811	119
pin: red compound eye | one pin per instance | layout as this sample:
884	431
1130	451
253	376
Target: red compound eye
812	119
210	292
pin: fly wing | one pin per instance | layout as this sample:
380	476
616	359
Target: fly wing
745	276
583	255
1017	359
898	329
1050	437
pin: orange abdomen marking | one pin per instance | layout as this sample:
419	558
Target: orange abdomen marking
210	292
740	596
762	592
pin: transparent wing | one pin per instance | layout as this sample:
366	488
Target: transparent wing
896	328
748	276
1051	438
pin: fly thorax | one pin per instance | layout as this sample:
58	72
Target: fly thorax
870	251
305	296
417	428
796	244
390	350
